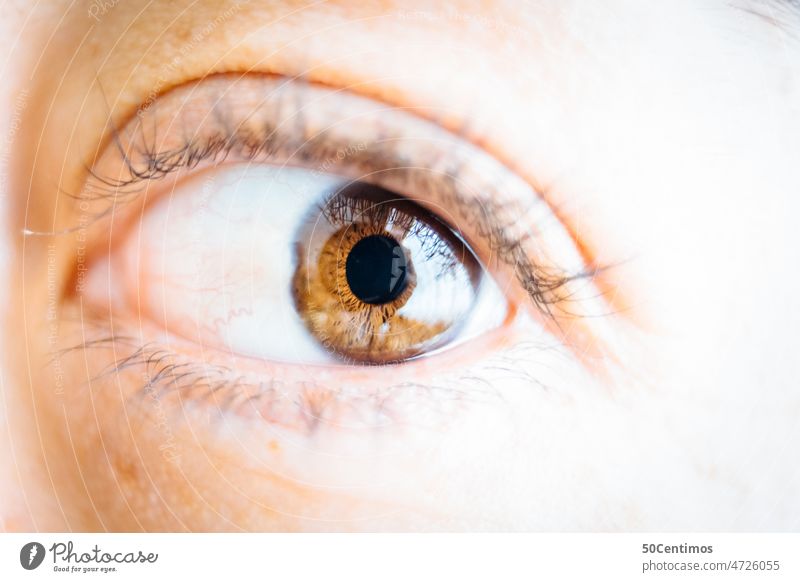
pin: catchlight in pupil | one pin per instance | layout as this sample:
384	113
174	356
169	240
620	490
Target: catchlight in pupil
376	269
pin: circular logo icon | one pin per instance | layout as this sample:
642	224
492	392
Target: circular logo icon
31	555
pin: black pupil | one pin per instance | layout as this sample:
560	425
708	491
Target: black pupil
376	269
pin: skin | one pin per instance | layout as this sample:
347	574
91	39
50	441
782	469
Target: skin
663	135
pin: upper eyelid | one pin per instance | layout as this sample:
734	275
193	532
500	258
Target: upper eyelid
161	163
427	114
138	156
117	130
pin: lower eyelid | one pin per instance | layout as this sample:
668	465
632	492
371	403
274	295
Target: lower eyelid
386	398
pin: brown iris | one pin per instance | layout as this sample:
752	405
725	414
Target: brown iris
379	279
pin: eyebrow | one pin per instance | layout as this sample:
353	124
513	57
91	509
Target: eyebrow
783	14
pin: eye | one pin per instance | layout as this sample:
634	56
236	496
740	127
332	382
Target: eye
286	265
273	238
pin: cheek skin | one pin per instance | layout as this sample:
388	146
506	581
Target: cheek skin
148	466
538	458
153	461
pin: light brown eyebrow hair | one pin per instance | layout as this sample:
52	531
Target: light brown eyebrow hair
784	14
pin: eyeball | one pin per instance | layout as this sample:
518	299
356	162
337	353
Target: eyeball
289	265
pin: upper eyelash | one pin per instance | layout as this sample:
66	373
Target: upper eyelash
145	164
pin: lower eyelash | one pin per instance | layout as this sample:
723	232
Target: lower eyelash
305	406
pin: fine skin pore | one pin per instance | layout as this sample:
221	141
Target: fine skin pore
664	136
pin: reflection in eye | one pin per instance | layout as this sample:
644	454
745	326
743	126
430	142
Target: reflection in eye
288	265
380	279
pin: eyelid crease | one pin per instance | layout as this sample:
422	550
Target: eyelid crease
492	217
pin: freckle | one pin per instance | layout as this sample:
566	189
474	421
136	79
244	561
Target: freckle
274	446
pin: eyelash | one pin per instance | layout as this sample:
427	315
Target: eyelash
166	373
146	164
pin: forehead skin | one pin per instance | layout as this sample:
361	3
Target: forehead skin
664	132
